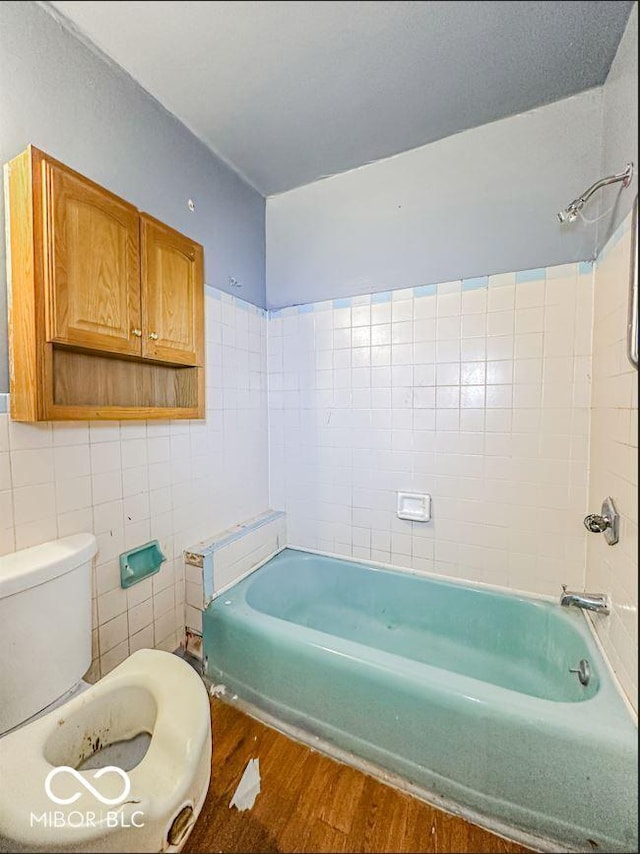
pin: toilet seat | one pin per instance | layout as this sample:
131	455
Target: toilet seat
151	691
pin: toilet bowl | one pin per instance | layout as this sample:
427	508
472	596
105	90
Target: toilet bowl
151	692
75	778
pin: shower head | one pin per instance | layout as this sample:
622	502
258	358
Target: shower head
570	213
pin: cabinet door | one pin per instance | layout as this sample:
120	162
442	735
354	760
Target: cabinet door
172	295
93	273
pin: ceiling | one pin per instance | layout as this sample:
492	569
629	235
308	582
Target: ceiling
289	92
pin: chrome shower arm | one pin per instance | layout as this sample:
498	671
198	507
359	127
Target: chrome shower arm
625	177
571	211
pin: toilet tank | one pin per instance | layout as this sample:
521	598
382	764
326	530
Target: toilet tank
45	625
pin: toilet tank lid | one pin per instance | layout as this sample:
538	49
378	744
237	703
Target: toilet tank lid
28	568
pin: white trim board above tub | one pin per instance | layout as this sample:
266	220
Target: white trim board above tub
214	565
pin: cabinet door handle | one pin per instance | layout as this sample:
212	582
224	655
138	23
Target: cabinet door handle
154	336
137	332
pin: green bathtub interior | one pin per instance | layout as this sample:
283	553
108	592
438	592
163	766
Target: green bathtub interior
462	691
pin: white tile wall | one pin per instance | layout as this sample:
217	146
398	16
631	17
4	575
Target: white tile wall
475	391
614	461
131	482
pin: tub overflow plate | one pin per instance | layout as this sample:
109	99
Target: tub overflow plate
583	670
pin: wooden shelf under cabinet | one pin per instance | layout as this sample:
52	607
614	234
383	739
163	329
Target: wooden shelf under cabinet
106	304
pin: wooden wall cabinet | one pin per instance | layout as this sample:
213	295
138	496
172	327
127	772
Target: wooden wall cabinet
106	304
173	296
92	269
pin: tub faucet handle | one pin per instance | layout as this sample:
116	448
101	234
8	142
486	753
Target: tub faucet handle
606	522
596	524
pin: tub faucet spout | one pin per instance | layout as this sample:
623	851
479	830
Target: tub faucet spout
598	602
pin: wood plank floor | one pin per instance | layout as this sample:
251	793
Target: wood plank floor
310	803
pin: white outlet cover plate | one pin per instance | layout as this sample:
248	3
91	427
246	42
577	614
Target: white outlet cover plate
413	506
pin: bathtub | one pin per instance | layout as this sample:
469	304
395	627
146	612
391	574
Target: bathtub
463	692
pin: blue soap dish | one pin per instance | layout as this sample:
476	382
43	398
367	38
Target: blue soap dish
139	563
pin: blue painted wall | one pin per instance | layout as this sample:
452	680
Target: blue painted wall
474	204
58	94
620	130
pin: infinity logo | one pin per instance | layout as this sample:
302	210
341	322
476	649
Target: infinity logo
65	769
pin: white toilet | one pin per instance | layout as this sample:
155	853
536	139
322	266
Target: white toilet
53	796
